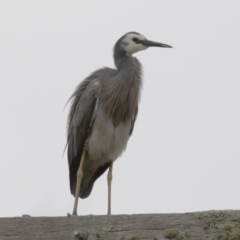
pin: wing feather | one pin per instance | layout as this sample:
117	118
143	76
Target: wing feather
133	121
80	120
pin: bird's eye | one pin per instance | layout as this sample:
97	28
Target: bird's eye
135	39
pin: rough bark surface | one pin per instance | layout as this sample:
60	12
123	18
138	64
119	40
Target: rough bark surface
210	225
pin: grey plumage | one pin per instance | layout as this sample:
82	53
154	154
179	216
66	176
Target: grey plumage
103	112
114	96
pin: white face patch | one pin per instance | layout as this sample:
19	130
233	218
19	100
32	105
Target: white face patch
130	46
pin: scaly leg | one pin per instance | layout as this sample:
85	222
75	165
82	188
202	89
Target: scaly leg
79	180
109	179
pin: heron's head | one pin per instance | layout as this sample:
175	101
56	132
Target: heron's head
133	42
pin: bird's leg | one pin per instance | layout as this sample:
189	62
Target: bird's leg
79	180
109	179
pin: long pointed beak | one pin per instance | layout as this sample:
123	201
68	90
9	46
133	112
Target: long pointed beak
148	43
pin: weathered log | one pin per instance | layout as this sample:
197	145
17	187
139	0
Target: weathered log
210	225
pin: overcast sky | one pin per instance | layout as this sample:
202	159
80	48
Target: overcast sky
184	154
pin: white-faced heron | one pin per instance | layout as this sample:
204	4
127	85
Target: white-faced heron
101	119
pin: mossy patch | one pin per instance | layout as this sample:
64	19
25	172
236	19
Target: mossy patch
227	222
107	226
230	233
129	238
218	219
94	236
176	235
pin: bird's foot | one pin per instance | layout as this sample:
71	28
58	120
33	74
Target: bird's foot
72	215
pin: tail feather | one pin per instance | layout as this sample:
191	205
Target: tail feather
88	182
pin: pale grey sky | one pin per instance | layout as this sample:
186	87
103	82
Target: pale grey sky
184	153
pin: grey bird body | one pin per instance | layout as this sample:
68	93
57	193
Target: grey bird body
102	116
111	122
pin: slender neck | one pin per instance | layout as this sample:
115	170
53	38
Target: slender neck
127	66
121	59
121	93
